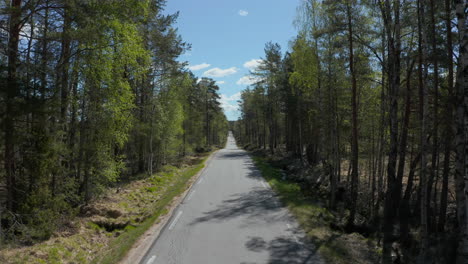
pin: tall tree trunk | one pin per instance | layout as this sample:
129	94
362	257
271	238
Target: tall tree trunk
383	103
405	201
423	100
11	94
354	140
392	25
449	120
43	133
332	157
65	66
461	170
404	137
435	148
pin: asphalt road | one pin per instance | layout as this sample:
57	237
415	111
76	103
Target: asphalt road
231	216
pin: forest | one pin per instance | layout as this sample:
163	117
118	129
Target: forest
373	95
370	100
92	94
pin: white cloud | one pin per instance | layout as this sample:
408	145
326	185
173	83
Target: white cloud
230	103
243	12
252	64
248	80
199	67
234	97
217	72
220	82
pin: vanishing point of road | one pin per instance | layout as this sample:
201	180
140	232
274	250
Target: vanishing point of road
231	216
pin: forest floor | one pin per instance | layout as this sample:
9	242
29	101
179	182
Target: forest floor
106	229
333	244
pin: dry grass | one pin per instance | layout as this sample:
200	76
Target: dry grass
108	227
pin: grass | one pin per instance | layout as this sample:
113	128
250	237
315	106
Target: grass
140	202
333	246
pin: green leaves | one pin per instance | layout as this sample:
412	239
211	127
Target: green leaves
305	63
97	96
111	59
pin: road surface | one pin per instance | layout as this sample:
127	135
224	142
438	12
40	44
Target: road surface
231	216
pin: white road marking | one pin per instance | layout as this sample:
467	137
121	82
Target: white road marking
190	195
151	260
175	220
264	185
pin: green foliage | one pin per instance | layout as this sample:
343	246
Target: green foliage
365	83
304	61
99	98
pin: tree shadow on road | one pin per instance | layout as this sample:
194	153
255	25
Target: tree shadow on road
285	250
232	154
257	205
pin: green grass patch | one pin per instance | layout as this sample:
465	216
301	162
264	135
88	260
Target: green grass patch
121	245
152	189
94	226
311	215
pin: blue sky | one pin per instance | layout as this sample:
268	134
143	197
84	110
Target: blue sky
228	36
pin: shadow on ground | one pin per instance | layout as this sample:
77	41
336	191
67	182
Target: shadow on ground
232	155
284	250
260	205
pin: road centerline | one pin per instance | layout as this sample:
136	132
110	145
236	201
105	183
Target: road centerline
176	219
190	195
151	260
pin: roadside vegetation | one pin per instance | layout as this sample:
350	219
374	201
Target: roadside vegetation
93	96
369	107
320	224
106	229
